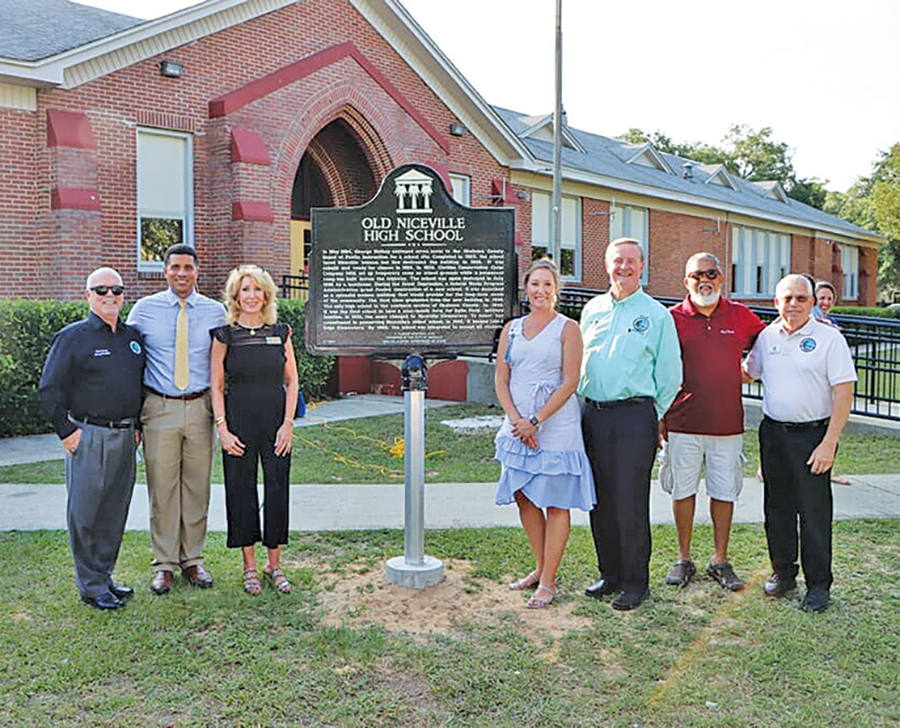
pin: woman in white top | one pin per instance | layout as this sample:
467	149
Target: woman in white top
540	446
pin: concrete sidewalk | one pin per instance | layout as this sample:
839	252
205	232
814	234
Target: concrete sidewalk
447	505
349	507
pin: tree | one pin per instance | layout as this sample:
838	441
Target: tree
746	152
757	157
873	203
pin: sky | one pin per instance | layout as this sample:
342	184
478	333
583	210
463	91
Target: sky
824	74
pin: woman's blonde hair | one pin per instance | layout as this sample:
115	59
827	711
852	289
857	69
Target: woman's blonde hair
545	264
233	289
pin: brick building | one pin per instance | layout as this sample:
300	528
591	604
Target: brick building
222	124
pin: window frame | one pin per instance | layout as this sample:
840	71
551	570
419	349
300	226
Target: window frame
849	258
467	184
615	210
760	256
575	245
148	266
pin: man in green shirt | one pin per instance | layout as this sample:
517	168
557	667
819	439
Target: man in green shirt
630	374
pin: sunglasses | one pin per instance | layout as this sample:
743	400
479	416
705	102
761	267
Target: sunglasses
698	275
103	290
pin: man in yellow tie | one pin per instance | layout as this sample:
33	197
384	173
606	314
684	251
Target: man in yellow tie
177	417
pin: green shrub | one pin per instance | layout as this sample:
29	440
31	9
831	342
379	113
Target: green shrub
313	371
27	328
866	311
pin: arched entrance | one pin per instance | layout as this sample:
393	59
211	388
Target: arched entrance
338	169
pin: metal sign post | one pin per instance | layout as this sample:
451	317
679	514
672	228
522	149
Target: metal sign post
411	270
414	569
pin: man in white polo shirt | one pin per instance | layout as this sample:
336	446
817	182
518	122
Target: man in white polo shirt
808	375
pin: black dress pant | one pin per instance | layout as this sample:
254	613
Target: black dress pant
255	420
791	492
621	444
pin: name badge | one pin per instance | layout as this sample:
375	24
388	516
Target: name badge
273	339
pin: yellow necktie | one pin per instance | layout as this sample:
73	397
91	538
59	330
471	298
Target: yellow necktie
182	370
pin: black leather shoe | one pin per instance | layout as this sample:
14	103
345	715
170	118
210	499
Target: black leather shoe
778	586
120	590
816	599
629	599
104	601
602	588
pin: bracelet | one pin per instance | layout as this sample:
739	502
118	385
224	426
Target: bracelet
288	420
220	420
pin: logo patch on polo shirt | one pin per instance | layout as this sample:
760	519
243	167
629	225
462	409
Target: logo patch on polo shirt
641	324
101	352
135	347
808	344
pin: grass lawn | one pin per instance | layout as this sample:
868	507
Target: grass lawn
359	451
691	657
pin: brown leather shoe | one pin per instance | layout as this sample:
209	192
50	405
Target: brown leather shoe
198	576
162	582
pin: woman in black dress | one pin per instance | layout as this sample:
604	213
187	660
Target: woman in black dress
254	396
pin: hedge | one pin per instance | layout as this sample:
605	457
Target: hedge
27	328
866	311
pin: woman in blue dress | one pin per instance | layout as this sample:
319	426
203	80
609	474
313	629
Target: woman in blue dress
540	447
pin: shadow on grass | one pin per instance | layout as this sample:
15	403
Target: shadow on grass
691	657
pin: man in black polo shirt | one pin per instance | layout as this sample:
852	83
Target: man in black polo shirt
91	392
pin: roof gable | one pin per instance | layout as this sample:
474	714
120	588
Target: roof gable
647	156
773	190
543	129
719	176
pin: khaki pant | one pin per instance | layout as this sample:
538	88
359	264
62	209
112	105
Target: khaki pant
178	446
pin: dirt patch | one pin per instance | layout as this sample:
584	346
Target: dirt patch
360	599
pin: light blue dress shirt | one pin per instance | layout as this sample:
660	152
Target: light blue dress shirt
631	349
155	317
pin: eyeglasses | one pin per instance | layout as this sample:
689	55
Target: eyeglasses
103	290
698	275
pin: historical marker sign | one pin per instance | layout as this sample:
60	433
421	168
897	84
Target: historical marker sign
411	270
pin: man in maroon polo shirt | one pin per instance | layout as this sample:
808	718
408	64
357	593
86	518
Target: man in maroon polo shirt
705	424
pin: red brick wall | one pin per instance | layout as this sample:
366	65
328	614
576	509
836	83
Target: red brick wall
287	120
673	239
594	239
18	202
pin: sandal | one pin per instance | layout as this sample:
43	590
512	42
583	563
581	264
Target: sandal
537	602
278	579
526	582
251	582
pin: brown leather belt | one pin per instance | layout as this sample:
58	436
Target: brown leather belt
185	397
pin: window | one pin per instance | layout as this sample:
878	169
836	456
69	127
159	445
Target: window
759	259
850	267
570	241
462	189
165	191
626	221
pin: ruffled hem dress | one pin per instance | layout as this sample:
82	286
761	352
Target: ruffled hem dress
558	474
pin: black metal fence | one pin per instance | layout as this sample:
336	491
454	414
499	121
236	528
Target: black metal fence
874	343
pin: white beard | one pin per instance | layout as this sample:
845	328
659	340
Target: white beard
703	301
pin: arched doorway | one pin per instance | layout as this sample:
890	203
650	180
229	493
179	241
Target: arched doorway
336	170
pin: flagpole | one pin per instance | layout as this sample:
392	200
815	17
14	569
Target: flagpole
556	227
